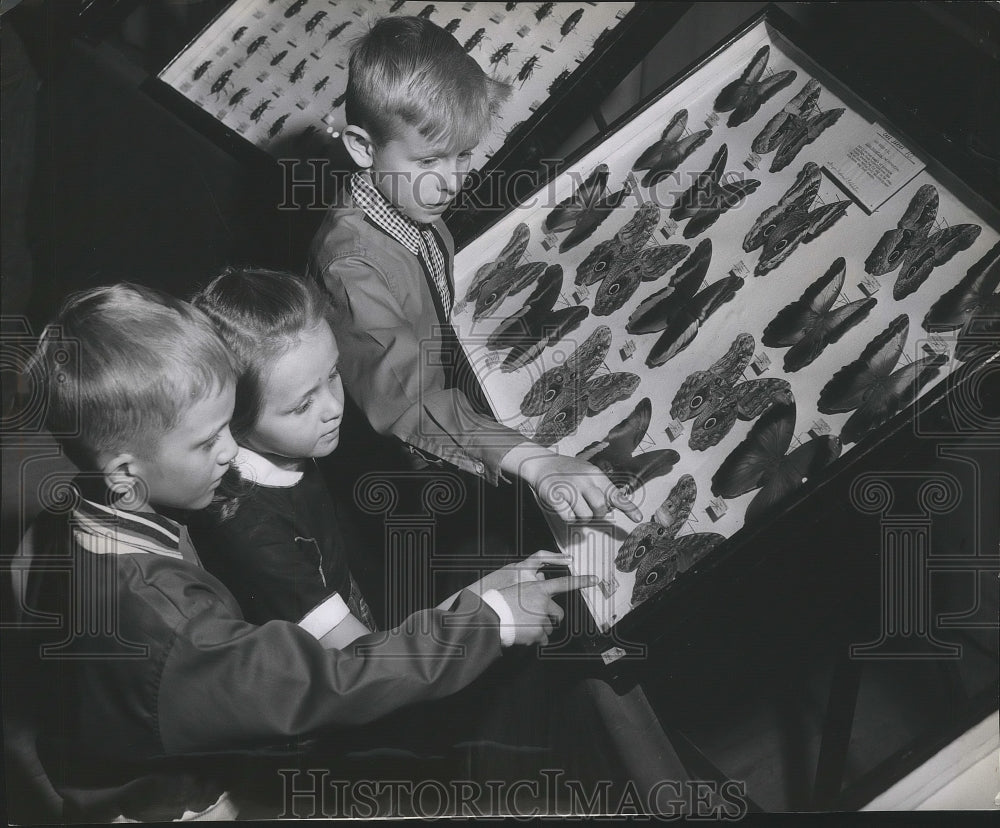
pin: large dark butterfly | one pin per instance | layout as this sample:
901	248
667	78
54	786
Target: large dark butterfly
614	455
585	211
811	322
716	397
748	93
912	246
664	156
871	388
622	247
583	400
505	262
762	461
655	553
780	229
973	306
680	308
531	329
709	197
794	127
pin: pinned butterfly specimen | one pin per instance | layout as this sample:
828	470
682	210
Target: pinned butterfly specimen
615	454
506	261
655	553
973	306
748	93
583	400
665	155
679	309
716	397
576	370
584	211
621	263
798	124
811	322
531	329
914	248
708	198
793	220
871	388
762	461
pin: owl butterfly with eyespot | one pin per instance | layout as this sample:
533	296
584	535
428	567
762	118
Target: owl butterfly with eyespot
665	155
972	307
505	262
585	400
615	454
748	93
871	388
578	367
716	397
811	322
792	221
762	461
530	330
914	248
585	211
795	127
655	553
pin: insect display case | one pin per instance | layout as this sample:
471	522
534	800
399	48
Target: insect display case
739	285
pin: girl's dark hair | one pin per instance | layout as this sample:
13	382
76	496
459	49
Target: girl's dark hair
260	314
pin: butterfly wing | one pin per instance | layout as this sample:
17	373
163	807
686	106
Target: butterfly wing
563	418
652	154
702	191
648	539
724	197
957	305
847	388
754	397
635	472
523	325
758	94
639	229
565	214
505	282
676	508
656	573
803	134
910	231
791	472
794	321
511	252
889	396
732	93
937	249
774	132
577	368
655	313
713	423
655	261
702	389
798	197
684	326
751	461
593	218
828	328
621	441
597	262
606	389
550	328
618	287
672	155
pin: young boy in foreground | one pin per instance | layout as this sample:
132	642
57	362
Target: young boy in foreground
151	665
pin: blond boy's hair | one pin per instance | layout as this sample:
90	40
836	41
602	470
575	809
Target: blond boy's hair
409	71
121	364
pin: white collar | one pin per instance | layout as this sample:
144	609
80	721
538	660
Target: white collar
258	469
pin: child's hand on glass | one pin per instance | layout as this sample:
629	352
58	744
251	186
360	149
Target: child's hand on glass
535	613
574	489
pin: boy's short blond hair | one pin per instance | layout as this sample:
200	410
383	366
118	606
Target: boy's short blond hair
407	70
139	360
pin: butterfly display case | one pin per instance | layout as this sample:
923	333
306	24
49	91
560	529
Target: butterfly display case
745	281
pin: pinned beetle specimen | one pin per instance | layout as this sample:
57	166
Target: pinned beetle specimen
811	322
748	93
780	229
664	156
708	198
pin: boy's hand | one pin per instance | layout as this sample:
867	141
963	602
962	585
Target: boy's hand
528	569
575	489
535	613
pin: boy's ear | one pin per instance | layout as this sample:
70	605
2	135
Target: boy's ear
359	145
119	471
